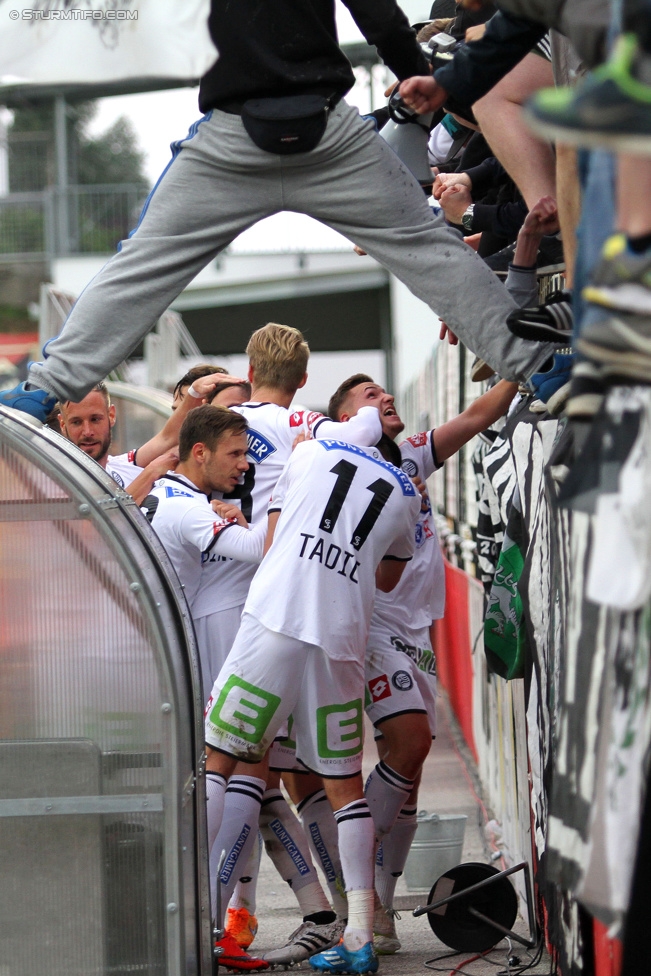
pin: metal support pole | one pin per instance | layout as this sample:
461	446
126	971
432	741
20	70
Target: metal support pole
61	148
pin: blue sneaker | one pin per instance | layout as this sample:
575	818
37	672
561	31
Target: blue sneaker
339	959
38	403
543	385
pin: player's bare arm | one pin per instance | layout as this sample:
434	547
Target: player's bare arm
450	437
271	528
168	437
388	573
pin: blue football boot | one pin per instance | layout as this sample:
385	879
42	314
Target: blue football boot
339	959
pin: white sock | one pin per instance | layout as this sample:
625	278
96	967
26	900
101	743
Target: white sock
215	789
286	844
359	930
386	792
312	901
244	895
236	836
321	829
356	845
392	854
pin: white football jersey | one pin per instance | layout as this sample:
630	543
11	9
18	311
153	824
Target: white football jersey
271	435
343	508
201	545
419	597
123	468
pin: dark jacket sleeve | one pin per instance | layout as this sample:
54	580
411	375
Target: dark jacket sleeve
478	66
383	24
502	219
585	22
484	176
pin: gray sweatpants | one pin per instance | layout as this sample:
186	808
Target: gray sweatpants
219	183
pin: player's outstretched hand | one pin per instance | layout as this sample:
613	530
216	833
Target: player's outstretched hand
204	386
228	511
423	94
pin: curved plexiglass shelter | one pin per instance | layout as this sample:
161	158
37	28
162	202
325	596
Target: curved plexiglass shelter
141	413
102	801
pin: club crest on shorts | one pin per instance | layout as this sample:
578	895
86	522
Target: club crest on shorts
402	680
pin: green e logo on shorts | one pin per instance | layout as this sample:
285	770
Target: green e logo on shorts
244	710
339	730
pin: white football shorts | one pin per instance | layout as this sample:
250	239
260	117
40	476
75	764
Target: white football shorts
216	633
400	676
266	678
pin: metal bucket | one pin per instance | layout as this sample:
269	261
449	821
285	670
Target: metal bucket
437	847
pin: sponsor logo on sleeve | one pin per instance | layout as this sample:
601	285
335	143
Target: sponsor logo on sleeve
379	688
312	418
131	457
402	680
259	447
418	440
296	418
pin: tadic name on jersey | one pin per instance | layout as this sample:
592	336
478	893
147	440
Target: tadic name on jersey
332	558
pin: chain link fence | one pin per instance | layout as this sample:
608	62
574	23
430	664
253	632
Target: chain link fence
79	220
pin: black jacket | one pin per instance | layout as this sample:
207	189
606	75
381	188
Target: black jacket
286	47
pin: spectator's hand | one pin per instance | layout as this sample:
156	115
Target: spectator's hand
423	94
161	465
475	33
446	331
205	385
455	200
227	511
473	241
443	180
542	219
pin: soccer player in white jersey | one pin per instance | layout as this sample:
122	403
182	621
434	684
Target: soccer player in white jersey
278	357
400	671
89	423
341	520
200	544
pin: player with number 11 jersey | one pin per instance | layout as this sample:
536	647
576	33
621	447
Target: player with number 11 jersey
272	432
343	509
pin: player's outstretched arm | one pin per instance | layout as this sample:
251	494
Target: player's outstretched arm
363	430
450	437
388	573
169	436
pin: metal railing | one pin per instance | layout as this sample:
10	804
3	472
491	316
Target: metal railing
79	220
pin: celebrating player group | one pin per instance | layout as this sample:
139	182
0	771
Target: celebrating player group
309	557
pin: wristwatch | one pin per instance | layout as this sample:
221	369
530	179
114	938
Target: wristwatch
466	220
